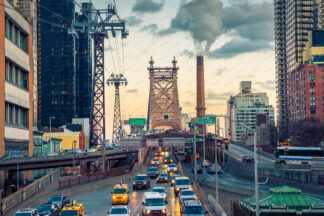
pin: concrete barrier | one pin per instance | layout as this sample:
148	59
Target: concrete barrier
219	211
23	194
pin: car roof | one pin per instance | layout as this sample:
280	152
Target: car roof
186	190
26	210
142	175
192	203
117	186
119	206
181	177
158	188
148	195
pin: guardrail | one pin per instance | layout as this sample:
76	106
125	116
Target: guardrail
195	185
78	180
264	154
23	194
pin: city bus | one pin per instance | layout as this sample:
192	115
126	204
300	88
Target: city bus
299	155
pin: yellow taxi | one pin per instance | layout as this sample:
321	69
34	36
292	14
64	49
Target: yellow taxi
74	209
120	194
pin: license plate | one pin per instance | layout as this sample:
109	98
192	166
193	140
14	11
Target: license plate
139	186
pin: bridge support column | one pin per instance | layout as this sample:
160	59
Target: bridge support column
141	155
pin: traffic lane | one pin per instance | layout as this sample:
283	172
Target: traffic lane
238	152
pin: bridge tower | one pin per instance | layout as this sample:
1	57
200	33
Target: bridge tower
117	80
163	108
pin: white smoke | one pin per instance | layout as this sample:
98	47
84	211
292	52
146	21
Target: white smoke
202	18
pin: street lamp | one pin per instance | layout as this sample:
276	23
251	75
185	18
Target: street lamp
256	180
73	146
17	172
50	120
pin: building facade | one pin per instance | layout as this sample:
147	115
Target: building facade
16	83
306	83
293	20
64	63
244	107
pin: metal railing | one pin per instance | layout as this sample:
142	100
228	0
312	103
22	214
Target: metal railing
23	194
78	180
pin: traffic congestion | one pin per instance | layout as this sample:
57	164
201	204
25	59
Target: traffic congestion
161	190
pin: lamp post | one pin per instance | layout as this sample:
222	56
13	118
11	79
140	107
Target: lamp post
256	179
50	120
73	146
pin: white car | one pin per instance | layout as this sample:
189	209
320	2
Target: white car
181	183
172	168
27	212
153	204
155	161
161	191
119	211
184	194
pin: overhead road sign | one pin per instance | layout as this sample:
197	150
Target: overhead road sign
206	120
137	121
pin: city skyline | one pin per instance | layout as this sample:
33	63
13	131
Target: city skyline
238	40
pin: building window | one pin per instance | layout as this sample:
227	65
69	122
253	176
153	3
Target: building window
312	70
16	115
312	105
23	79
10	113
16	75
311	78
312	98
312	84
312	91
10	72
10	31
23	41
23	114
313	111
16	36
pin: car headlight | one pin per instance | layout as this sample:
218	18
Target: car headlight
124	197
177	188
172	181
163	210
114	197
145	182
148	211
171	161
134	182
190	188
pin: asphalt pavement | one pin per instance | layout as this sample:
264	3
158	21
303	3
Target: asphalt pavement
97	203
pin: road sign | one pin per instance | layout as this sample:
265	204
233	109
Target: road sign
137	121
206	120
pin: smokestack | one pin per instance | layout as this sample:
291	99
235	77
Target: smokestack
200	87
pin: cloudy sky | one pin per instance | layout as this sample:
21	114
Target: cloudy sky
235	36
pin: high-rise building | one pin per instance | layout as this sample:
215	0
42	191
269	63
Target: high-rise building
306	83
28	9
293	20
244	107
64	63
16	81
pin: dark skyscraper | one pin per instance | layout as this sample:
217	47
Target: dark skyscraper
293	20
64	92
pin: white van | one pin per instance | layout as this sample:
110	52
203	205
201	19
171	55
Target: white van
181	183
153	204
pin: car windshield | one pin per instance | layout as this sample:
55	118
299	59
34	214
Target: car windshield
163	175
183	182
118	211
153	170
173	177
172	165
187	193
44	208
159	190
69	213
55	199
155	202
194	210
120	191
155	159
22	214
140	178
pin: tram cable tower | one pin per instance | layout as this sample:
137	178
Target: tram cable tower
117	80
101	21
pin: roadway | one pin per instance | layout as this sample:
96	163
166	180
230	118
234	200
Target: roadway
237	152
97	203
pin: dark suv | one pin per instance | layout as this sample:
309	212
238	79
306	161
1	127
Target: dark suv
187	158
141	181
193	207
153	172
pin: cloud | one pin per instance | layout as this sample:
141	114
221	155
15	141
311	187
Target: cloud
133	21
215	96
152	28
268	85
238	46
187	104
132	91
220	71
201	18
188	53
147	6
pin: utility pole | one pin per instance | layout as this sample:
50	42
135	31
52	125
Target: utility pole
195	159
